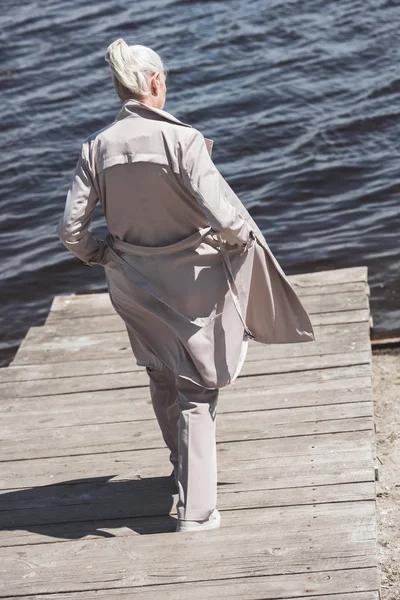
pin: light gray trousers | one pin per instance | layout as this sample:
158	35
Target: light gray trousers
186	414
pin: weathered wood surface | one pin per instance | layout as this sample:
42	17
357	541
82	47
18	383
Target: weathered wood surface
120	379
353	277
111	322
113	508
68	366
305	380
41	345
154	461
84	408
255	588
78	306
43	441
85	474
225	554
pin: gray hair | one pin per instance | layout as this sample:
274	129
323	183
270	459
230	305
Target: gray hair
132	67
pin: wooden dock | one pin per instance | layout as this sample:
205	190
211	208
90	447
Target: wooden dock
85	474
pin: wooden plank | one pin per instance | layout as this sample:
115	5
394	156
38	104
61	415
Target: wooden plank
321	356
113	322
68	385
331	277
173	592
105	365
338	585
64	323
341	317
41	353
303	363
322	288
74	368
76	446
94	407
329	340
148	495
259	397
73	445
63	504
308	522
225	554
280	413
311	471
100	304
140	434
61	304
329	333
44	513
140	378
119	381
110	463
314	531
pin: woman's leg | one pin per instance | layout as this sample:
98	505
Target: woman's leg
164	397
197	472
186	414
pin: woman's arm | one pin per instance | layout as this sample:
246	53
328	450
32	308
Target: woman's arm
73	226
203	180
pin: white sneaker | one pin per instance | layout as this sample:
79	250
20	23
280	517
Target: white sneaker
213	522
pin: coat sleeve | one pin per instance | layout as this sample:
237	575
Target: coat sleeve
203	180
73	226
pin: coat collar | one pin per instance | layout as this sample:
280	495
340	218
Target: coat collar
130	107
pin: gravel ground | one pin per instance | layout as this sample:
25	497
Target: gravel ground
386	391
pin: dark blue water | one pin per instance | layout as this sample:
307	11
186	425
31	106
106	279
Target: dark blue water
301	98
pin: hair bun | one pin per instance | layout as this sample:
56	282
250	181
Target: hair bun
131	65
118	54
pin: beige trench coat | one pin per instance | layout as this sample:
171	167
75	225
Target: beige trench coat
187	268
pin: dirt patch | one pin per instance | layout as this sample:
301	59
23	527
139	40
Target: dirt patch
386	392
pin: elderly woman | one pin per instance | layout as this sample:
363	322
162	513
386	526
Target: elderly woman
186	266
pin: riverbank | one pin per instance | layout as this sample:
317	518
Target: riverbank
386	388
